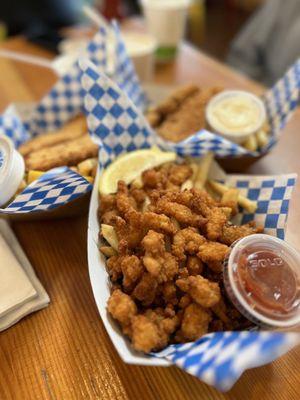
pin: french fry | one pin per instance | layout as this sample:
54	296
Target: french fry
85	167
262	138
187	185
33	175
108	251
243	201
203	170
109	234
251	143
230	199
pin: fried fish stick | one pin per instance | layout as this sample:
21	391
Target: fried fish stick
71	130
71	154
243	201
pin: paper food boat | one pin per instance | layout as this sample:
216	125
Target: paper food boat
217	358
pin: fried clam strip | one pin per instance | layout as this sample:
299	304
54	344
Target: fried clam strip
203	292
231	233
135	225
186	241
168	176
213	254
180	212
160	264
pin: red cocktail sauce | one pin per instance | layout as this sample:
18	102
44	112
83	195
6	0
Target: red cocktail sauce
261	276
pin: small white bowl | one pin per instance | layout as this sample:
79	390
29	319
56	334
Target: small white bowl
12	169
232	134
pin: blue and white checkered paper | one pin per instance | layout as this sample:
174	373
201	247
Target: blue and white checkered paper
218	358
280	102
63	102
52	190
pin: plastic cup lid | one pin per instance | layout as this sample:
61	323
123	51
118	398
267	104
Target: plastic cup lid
264	275
12	169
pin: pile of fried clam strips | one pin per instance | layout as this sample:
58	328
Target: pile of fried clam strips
165	235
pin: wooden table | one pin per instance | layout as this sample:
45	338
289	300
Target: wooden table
63	352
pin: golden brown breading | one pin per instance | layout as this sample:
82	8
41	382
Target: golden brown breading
194	265
231	233
151	331
158	262
69	131
145	290
113	265
216	219
169	262
202	291
132	269
179	173
194	323
121	307
180	212
70	153
187	119
186	241
213	254
124	201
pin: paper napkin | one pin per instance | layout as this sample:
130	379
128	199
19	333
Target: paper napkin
20	290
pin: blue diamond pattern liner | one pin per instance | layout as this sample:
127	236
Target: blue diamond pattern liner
53	189
125	75
218	358
280	102
13	127
63	102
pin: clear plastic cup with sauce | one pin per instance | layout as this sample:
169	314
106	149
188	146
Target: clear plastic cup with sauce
12	169
262	279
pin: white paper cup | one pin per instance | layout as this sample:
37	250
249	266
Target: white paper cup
141	48
166	20
12	169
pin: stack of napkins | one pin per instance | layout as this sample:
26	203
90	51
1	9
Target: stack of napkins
20	291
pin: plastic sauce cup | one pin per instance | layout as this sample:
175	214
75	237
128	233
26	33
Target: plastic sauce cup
235	114
12	168
262	279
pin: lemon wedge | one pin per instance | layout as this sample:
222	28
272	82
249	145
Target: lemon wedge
129	166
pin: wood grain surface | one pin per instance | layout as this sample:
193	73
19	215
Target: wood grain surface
63	352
